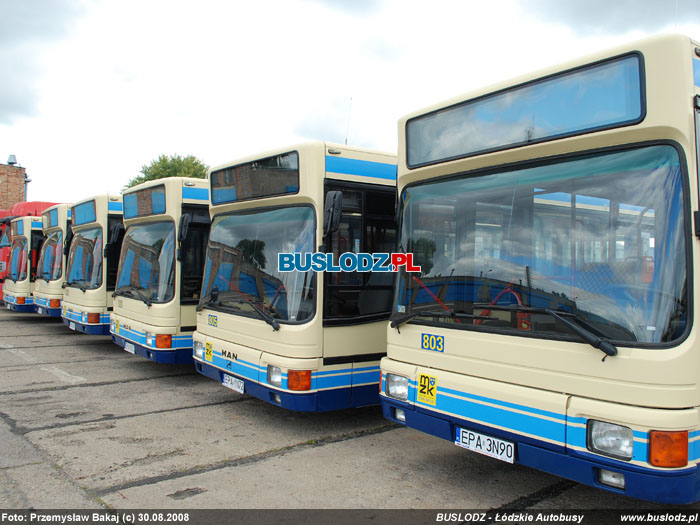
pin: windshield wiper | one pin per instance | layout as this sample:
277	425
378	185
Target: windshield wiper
214	300
143	297
434	313
263	315
604	345
267	317
579	327
129	292
81	287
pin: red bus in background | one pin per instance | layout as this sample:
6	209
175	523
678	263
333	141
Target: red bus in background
19	209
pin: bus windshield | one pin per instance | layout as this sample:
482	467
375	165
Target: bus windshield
147	263
599	238
18	260
51	258
241	273
84	268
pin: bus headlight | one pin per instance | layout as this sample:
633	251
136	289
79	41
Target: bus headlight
150	339
397	387
274	375
609	439
199	350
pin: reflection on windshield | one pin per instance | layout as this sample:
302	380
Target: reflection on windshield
84	267
18	260
51	258
600	237
5	236
147	263
241	265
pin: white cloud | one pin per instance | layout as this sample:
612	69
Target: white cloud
121	82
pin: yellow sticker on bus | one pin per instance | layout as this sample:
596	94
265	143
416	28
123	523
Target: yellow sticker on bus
427	389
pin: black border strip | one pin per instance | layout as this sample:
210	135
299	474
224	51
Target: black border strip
357	358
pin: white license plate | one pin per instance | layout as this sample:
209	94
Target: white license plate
486	445
40	310
234	384
129	347
71	325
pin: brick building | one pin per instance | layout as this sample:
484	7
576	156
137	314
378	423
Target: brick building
12	181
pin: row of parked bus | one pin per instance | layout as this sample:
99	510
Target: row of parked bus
546	319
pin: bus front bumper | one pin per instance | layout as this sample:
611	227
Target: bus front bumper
91	329
673	487
11	303
311	401
169	356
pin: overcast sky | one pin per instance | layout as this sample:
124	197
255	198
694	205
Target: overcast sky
92	90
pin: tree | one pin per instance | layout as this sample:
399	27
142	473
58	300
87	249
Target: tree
171	166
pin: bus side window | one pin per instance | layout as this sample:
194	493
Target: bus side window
367	225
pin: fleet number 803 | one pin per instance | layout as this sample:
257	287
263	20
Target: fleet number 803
436	343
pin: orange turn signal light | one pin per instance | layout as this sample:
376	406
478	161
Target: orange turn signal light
668	449
299	380
93	318
54	303
164	341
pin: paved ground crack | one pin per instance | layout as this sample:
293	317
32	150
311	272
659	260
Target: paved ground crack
24	430
84	385
255	458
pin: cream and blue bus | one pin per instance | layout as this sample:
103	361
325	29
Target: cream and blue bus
303	340
48	287
91	269
555	221
160	268
26	239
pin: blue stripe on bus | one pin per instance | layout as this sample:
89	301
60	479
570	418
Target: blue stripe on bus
77	316
363	168
532	423
696	72
136	336
505	404
201	194
115	206
538	427
320	380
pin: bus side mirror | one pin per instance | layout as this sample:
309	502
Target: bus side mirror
184	226
182	234
114	232
68	241
113	236
331	212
